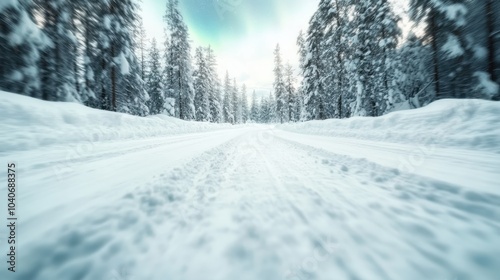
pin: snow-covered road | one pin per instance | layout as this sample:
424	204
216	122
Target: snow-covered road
256	202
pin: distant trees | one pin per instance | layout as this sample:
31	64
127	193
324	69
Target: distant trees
279	87
290	94
245	110
254	109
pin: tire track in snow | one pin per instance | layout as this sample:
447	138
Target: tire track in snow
276	209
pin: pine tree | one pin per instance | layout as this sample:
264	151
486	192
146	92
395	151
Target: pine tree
312	68
365	104
290	96
302	52
413	79
201	87
426	11
20	42
264	111
227	107
133	96
141	49
279	87
457	49
299	105
272	113
385	33
88	17
180	82
235	99
333	56
154	80
254	110
245	112
215	100
372	62
57	64
491	15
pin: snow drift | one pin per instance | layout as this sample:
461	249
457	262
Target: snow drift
469	123
28	123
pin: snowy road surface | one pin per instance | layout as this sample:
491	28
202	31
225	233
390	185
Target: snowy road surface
256	203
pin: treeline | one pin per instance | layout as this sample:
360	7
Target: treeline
97	53
353	61
354	64
73	50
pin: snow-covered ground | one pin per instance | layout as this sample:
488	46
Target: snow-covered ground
412	195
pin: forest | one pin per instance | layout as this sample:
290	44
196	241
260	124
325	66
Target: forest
355	60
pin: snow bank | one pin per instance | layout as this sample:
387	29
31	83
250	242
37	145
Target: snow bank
28	123
469	124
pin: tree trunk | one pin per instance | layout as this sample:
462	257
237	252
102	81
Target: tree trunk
490	21
433	30
340	79
181	115
104	98
339	105
87	53
113	81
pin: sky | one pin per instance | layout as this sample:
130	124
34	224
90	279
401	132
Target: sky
243	33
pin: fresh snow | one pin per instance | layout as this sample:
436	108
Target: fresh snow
486	85
34	124
124	65
452	47
101	195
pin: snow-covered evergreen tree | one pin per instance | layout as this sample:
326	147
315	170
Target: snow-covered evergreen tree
227	107
334	56
180	82
142	38
413	81
236	103
282	109
245	112
385	33
254	110
58	60
492	13
264	111
302	52
290	94
154	80
348	59
115	53
201	87
214	96
20	41
133	96
88	16
312	68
